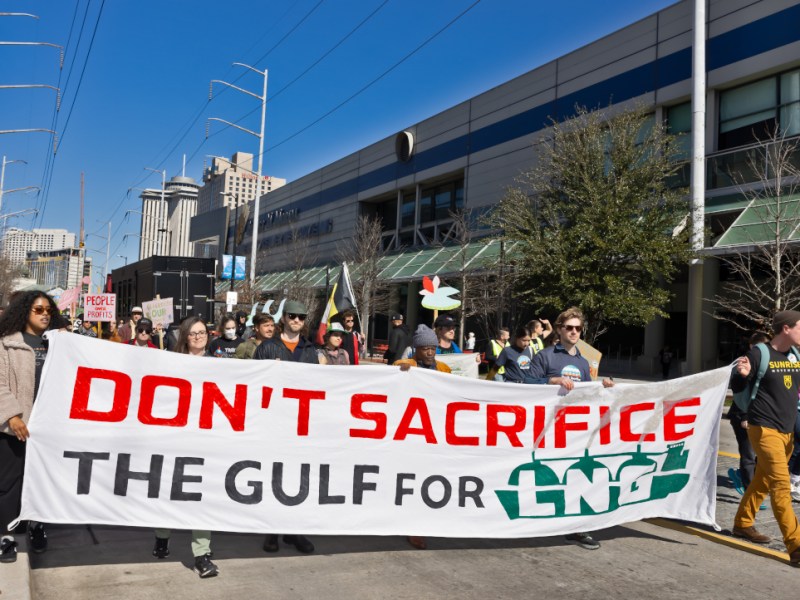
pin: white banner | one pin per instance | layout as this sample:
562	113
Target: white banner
464	364
126	436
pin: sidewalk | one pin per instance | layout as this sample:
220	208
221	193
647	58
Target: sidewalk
15	578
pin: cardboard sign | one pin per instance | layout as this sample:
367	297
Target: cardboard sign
593	355
99	307
160	312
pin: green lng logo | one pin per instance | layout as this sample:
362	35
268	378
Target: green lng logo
593	485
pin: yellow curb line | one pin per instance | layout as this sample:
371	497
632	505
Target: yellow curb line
722	539
728	454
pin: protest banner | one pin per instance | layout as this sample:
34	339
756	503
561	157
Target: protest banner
160	311
123	436
464	364
99	307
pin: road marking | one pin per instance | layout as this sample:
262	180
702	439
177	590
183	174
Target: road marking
725	540
728	454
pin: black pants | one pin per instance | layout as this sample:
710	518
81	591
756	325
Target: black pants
747	458
12	466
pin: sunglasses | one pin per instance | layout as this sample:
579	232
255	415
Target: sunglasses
148	331
349	320
294	316
573	327
40	310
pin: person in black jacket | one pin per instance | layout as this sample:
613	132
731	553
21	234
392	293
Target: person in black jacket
291	344
399	340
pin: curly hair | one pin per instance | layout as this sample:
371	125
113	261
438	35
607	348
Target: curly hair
183	333
15	318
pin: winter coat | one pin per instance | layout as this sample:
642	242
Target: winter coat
274	349
17	380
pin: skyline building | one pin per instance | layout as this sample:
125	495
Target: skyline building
18	242
226	181
166	218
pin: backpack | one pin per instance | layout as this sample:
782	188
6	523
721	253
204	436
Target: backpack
744	398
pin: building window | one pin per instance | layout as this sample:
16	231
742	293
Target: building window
407	209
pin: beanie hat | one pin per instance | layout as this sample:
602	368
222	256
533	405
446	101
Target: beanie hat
424	336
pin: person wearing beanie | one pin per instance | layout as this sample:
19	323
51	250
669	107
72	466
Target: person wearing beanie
425	343
771	418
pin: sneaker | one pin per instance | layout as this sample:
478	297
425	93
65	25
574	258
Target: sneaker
736	480
584	540
37	538
271	543
302	543
161	548
8	550
204	567
795	493
751	534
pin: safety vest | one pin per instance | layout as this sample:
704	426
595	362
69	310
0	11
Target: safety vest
497	349
537	345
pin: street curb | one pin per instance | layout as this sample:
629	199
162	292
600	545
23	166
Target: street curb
724	540
15	583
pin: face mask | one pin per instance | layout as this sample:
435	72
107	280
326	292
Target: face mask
230	334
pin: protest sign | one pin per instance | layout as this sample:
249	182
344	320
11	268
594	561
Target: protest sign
99	307
160	312
123	436
68	298
464	364
592	355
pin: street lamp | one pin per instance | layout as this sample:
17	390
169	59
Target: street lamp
260	136
125	258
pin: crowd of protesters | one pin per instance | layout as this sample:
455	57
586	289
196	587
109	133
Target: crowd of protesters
536	353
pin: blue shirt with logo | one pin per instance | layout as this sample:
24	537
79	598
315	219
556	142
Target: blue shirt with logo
517	364
555	361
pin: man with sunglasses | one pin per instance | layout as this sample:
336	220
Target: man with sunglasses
144	331
291	344
562	364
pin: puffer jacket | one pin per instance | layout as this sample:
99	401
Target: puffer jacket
274	349
17	380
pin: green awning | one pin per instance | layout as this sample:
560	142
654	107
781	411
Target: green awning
407	265
763	220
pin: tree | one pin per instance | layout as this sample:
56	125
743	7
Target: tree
766	270
595	221
363	254
8	274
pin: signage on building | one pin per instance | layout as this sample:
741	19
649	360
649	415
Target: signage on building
99	307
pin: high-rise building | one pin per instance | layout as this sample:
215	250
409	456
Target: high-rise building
165	218
227	181
18	242
63	268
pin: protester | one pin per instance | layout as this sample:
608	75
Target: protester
86	329
399	339
22	353
332	353
291	345
263	329
144	331
742	476
225	345
665	357
353	341
771	419
241	324
425	343
540	331
128	330
445	328
493	350
192	340
563	365
469	343
515	360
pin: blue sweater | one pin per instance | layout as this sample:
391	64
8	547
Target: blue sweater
555	361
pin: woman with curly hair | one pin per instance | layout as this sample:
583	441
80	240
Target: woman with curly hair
192	340
22	354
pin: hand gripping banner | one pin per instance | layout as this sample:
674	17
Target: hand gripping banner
128	436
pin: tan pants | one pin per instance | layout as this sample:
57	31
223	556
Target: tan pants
773	450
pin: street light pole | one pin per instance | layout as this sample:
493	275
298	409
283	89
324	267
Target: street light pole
260	136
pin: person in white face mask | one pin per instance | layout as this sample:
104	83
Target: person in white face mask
225	345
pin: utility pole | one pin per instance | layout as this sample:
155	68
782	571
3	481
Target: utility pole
260	136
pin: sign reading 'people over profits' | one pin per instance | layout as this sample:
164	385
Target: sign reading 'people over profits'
129	437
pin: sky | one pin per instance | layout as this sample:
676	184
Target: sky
342	75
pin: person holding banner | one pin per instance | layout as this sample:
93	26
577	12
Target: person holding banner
22	354
291	345
263	328
192	340
425	344
225	345
562	364
515	360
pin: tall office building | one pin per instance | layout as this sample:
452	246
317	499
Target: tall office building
227	181
166	217
18	242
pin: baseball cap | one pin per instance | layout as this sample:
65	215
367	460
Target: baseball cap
444	321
